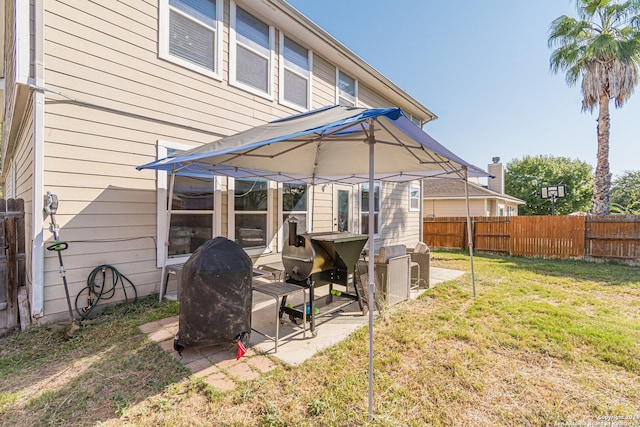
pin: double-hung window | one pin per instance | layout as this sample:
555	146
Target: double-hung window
364	208
414	197
346	89
251	208
191	34
295	74
251	53
194	209
295	206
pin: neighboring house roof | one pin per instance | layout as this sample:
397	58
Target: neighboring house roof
454	189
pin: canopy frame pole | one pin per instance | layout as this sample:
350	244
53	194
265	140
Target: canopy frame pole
371	261
165	249
313	202
469	231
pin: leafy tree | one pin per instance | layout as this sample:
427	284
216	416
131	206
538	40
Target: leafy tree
625	193
602	47
525	177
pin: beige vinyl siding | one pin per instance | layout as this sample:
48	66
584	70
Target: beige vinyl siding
9	51
115	68
368	98
324	82
10	88
107	208
323	208
109	99
23	157
454	207
399	225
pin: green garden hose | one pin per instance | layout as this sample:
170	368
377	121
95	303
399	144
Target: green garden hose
101	291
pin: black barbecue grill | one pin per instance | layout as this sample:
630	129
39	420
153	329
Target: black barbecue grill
318	259
215	296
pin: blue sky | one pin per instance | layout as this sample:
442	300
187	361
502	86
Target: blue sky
483	68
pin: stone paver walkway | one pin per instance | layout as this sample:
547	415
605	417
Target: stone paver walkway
216	364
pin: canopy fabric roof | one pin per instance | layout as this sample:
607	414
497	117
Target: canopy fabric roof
325	145
332	144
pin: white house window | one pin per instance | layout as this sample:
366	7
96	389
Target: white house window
251	53
416	121
295	74
414	197
250	202
346	89
295	205
190	34
364	208
194	210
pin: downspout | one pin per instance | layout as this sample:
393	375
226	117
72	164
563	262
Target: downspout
37	217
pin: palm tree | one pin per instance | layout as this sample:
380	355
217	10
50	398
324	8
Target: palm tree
602	47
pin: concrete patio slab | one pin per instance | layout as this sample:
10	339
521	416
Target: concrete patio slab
218	366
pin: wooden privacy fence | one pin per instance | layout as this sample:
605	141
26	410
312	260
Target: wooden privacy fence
614	237
14	307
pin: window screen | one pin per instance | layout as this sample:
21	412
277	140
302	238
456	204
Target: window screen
192	31
346	89
296	73
364	208
250	203
252	69
252	51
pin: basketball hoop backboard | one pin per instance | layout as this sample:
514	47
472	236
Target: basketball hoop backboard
553	192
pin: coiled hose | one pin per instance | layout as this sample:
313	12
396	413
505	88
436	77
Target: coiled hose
101	291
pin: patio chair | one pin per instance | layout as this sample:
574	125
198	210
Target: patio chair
420	256
393	273
362	281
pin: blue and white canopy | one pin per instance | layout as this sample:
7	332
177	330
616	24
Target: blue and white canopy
325	145
332	144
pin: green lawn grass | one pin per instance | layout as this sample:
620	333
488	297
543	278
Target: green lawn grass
545	342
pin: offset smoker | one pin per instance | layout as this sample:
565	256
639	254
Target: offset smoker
317	259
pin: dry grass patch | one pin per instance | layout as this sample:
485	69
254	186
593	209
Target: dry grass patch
543	343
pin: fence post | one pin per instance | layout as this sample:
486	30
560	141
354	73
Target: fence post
3	260
464	236
12	277
510	225
21	265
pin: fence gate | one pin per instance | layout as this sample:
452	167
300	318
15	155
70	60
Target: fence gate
14	304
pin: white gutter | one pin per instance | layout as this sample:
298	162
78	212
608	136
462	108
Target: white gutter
37	217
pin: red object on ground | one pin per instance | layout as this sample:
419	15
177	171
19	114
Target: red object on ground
241	350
